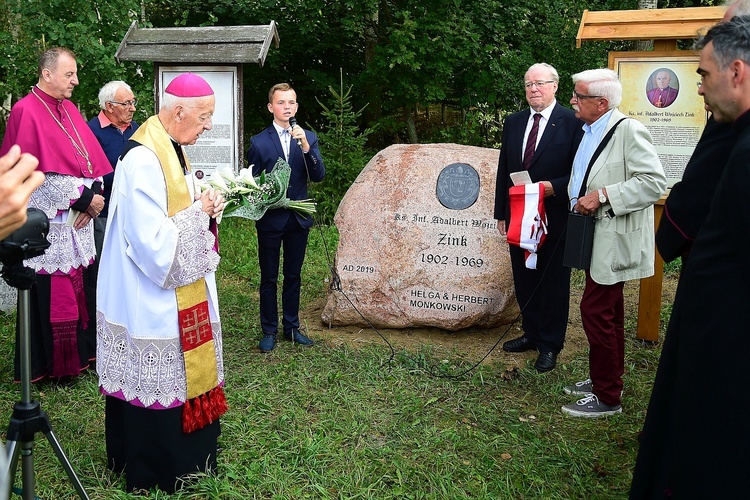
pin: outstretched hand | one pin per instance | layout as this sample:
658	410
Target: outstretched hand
18	179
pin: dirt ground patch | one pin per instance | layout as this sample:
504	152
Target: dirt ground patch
474	343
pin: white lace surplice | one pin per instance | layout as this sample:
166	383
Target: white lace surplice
69	248
146	255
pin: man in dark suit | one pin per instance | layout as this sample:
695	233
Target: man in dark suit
282	226
542	293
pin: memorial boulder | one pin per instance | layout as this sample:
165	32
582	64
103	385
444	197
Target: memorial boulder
418	244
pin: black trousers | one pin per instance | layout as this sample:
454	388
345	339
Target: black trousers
543	294
150	447
293	239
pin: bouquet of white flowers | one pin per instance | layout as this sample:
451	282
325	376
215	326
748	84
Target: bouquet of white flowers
250	197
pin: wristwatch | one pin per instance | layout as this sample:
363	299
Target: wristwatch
602	198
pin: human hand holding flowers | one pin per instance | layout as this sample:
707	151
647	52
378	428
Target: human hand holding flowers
212	201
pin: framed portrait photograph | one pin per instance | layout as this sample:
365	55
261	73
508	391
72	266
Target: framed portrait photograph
660	89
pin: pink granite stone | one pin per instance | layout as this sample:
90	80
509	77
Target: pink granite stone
406	260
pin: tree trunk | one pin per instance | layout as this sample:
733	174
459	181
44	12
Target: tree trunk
411	127
643	45
373	111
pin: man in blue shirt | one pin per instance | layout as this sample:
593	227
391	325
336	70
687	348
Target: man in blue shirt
113	127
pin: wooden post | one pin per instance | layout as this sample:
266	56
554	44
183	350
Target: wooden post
649	295
665	45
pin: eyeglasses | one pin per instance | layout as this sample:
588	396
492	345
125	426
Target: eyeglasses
540	84
578	96
126	104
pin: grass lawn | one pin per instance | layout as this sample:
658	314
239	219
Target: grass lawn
333	421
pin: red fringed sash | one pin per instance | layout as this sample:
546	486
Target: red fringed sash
203	410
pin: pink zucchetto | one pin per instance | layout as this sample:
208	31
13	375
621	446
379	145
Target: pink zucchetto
189	85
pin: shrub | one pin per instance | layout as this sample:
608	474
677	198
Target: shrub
343	149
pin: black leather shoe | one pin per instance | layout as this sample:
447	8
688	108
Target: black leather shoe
268	342
546	361
298	338
521	344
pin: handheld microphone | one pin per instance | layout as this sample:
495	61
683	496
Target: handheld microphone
293	123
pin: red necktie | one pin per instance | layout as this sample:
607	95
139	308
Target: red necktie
528	153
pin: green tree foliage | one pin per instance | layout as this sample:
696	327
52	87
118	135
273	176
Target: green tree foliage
92	29
402	54
402	57
345	151
318	37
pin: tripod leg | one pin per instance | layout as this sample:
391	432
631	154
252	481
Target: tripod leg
27	471
28	419
66	464
12	449
26	450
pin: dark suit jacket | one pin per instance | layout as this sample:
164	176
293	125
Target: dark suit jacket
683	450
265	149
553	161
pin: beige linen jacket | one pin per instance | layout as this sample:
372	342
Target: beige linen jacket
631	171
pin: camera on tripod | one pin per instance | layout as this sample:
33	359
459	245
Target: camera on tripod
29	240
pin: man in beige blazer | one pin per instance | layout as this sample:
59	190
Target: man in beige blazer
624	181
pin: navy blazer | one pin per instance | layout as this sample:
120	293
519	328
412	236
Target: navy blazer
265	149
552	161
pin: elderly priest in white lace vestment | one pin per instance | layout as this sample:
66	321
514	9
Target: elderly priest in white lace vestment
159	354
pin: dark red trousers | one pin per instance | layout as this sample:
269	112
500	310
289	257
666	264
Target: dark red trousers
603	318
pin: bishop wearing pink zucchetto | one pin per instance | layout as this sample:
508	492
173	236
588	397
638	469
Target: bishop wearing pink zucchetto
160	361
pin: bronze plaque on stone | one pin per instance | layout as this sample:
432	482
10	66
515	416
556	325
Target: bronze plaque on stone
458	186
